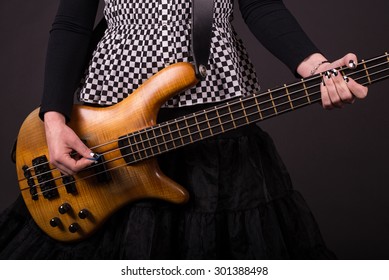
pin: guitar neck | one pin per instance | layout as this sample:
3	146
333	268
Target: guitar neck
231	115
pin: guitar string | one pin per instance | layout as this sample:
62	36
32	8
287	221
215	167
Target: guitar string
193	115
166	124
271	108
313	101
123	165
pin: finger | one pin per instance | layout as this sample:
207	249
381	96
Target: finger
70	163
78	146
64	164
71	166
331	90
358	90
325	99
341	87
350	60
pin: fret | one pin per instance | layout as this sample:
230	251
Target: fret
167	137
244	110
188	130
287	93
312	88
146	143
218	117
133	147
214	121
272	101
192	126
265	105
232	118
203	124
127	149
184	130
306	91
174	134
198	126
155	142
207	122
139	145
250	107
259	109
238	113
367	72
228	120
162	144
172	137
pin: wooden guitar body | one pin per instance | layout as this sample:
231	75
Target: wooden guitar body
70	211
128	138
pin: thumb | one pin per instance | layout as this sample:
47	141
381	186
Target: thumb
350	60
86	156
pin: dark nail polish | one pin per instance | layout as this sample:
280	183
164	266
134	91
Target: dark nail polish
335	72
352	64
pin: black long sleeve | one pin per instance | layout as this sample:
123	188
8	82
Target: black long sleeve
277	30
67	54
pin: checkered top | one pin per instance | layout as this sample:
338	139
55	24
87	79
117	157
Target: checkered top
145	36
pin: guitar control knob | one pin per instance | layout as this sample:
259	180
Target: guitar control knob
73	228
64	208
54	222
83	214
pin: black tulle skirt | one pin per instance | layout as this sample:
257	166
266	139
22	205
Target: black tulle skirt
242	206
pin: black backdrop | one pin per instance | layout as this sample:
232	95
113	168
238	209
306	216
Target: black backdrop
338	159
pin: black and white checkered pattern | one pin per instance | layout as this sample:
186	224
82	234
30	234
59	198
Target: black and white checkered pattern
145	36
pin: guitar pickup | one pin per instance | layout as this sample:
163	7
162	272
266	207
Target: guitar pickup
45	177
70	184
100	169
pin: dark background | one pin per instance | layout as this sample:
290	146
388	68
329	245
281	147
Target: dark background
337	159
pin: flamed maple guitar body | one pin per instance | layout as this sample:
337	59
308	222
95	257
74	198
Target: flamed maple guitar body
46	192
128	138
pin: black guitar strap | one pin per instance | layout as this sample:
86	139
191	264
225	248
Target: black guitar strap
202	19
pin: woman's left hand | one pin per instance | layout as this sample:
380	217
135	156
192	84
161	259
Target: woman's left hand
336	90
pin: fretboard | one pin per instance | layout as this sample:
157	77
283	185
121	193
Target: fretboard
231	115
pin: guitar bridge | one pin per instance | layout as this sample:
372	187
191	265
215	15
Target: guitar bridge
30	182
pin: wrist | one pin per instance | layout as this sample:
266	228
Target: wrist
312	65
54	117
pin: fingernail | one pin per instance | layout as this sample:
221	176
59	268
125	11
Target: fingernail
94	157
352	64
335	72
328	74
345	78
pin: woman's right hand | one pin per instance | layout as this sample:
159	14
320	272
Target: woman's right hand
62	141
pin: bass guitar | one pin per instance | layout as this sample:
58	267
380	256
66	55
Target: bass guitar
127	138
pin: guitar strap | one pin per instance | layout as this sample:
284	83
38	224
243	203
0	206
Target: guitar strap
202	19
